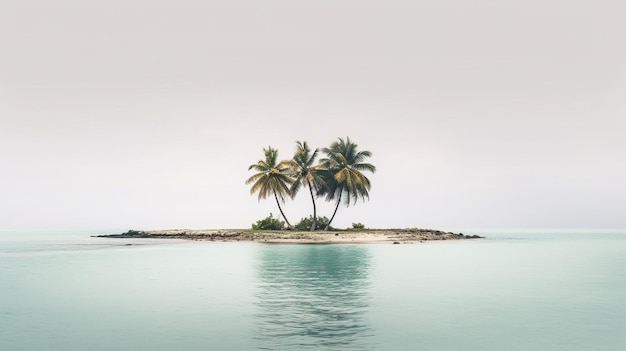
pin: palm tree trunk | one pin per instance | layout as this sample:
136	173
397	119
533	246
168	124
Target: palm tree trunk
281	211
334	213
314	225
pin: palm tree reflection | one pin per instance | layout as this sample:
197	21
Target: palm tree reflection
313	297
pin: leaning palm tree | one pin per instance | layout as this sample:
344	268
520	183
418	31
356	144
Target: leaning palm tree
272	178
343	167
305	173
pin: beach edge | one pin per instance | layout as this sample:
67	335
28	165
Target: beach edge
288	236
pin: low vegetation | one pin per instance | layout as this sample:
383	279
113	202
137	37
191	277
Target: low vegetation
306	223
358	226
269	223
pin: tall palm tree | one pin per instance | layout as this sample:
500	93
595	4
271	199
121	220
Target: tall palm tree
343	175
272	178
305	173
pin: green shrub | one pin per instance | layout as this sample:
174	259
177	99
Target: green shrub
269	223
358	225
306	222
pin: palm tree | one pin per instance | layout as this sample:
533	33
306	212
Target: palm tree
305	173
343	167
273	178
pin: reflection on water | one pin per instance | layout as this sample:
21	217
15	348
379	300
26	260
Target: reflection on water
313	297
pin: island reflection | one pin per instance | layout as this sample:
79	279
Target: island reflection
313	297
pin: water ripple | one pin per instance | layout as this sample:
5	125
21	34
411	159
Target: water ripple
313	297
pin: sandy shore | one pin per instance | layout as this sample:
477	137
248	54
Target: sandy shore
361	236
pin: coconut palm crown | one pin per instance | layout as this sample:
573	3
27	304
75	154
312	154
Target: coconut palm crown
273	178
305	173
343	173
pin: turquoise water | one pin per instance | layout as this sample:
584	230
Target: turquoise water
513	291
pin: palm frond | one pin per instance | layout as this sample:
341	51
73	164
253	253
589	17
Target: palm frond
364	167
254	178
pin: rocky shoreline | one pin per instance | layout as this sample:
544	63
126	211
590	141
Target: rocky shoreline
362	236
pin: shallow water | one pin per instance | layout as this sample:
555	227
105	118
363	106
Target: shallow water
514	291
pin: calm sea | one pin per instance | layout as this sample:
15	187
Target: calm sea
514	291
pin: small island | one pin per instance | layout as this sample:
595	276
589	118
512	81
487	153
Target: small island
395	236
338	175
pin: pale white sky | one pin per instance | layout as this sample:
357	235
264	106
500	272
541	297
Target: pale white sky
146	114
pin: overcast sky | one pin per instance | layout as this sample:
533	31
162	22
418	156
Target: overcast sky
146	114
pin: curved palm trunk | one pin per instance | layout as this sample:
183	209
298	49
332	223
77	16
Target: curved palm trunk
314	225
281	210
334	213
